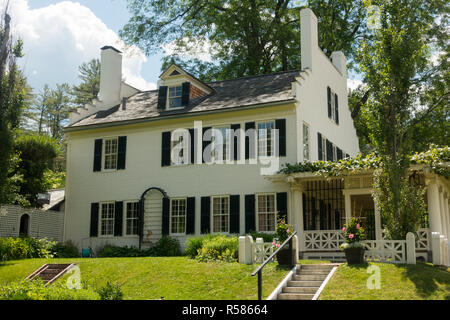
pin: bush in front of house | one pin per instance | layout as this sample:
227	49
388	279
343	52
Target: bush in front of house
66	250
165	247
219	248
196	243
35	290
25	248
267	237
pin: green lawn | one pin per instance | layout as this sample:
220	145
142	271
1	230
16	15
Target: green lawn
154	277
397	282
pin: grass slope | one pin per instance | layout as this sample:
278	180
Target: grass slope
155	277
398	282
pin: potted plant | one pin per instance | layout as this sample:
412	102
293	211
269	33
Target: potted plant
283	232
353	247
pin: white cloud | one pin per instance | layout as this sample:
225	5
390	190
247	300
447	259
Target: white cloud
59	37
352	84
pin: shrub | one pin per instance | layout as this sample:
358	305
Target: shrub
110	251
66	250
25	248
267	237
167	247
35	290
219	248
111	292
196	243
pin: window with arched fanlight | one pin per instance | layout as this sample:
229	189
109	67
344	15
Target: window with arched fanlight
24	225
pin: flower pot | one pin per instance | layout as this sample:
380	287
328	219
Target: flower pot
284	257
354	255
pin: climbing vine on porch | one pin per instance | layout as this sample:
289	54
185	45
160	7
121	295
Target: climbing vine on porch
436	157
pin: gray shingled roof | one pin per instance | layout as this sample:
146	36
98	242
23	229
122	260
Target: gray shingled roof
235	93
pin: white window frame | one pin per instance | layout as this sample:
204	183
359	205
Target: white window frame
258	213
221	214
172	145
101	219
333	106
306	142
272	138
126	219
169	98
171	215
227	152
104	153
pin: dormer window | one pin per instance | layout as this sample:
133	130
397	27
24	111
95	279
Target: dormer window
175	97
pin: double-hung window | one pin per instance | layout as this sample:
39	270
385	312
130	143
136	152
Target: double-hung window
110	152
324	148
266	212
221	213
266	139
177	158
306	142
175	97
221	143
178	216
107	219
132	218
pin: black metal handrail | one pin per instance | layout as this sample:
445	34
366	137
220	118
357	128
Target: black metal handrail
259	269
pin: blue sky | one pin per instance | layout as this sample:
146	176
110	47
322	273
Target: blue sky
60	35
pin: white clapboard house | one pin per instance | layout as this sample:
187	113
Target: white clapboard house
194	157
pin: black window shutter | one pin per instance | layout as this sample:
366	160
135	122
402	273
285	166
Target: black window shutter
165	216
205	214
118	219
282	205
162	97
250	221
250	150
190	215
98	154
186	90
94	220
192	147
141	217
121	153
339	154
329	101
234	214
280	124
236	133
207	157
329	150
319	145
165	149
336	108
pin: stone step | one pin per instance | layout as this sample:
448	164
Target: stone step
311	290
316	267
295	296
305	283
316	272
320	277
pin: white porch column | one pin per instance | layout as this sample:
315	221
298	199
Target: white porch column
434	207
348	207
378	233
297	194
446	215
442	212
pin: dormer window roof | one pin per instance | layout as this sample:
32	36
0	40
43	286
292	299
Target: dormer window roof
177	87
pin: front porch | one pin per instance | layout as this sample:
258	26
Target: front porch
319	208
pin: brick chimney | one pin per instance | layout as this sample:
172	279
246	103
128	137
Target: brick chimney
110	76
309	38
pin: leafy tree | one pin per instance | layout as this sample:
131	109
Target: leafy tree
58	109
397	70
36	153
246	37
12	100
87	90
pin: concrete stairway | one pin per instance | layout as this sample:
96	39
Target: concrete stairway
50	272
305	283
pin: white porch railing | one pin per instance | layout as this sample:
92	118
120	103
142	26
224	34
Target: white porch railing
261	250
323	240
386	250
423	239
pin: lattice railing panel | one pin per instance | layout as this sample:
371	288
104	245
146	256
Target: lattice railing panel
423	239
386	250
262	250
323	240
